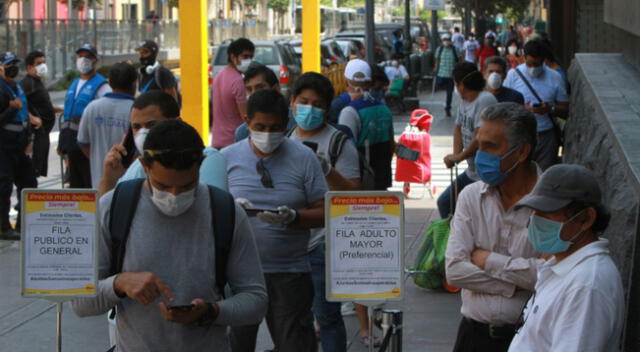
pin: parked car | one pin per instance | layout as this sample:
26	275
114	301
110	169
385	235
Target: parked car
278	55
351	48
382	49
331	52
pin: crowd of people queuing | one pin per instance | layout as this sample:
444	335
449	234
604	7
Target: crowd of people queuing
220	238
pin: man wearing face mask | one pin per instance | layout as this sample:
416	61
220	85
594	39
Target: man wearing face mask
229	97
578	303
469	48
488	254
39	106
83	90
446	57
148	110
154	76
470	86
168	290
284	183
545	95
106	120
495	70
15	165
312	93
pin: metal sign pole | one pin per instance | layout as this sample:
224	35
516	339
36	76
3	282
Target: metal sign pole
59	326
370	314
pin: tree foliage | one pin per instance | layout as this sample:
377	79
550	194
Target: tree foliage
279	6
516	9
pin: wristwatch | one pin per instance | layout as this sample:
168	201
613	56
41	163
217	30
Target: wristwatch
210	315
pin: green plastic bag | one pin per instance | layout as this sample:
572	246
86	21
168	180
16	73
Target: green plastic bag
395	89
429	262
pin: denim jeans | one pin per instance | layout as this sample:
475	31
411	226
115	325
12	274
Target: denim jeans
333	335
444	201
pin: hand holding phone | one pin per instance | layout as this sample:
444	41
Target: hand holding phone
130	146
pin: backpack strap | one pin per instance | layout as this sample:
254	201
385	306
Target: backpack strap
336	143
156	76
535	94
223	216
121	213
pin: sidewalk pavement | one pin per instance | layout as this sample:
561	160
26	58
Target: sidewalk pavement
430	317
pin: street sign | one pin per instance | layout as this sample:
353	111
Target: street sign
364	246
437	5
59	243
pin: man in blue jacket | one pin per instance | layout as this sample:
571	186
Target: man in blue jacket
82	91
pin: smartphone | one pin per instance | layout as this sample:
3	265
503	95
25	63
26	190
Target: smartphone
405	153
254	212
312	145
183	307
130	145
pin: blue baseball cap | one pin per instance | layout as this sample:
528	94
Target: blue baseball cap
88	48
8	57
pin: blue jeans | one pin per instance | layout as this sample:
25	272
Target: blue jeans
333	335
444	201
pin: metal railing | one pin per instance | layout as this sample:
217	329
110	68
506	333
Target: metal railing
59	39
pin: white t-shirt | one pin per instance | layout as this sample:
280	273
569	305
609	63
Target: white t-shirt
578	305
347	164
102	91
468	117
470	47
394	73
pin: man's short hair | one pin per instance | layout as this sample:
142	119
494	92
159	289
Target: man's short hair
520	124
456	29
318	83
267	74
174	144
268	101
378	75
497	60
239	46
123	76
164	101
536	48
467	73
32	56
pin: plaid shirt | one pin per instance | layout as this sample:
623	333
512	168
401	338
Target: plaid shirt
447	61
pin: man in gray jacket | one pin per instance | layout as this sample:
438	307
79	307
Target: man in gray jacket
167	294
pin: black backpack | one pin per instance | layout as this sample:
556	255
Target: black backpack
455	53
123	207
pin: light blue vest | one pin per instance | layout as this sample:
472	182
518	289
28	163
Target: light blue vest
74	105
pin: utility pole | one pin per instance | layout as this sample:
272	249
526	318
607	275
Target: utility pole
370	29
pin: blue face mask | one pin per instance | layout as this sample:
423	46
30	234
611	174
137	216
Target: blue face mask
488	167
377	94
544	235
308	117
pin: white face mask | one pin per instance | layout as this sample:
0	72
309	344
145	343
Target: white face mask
512	50
535	71
172	205
244	65
139	139
42	70
494	81
266	142
84	65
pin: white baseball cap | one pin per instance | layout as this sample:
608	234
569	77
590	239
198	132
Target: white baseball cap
446	36
358	70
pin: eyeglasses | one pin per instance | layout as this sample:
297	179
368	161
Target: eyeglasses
265	176
524	314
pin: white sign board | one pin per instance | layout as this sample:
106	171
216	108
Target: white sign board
437	5
364	246
59	243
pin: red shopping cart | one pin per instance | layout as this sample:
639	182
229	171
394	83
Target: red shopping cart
413	151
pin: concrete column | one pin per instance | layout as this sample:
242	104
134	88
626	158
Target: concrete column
193	64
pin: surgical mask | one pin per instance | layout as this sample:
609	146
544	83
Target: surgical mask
446	43
377	94
170	204
139	139
490	42
148	61
84	65
513	50
456	91
395	63
244	65
488	167
535	71
309	117
42	70
11	71
544	235
494	81
266	142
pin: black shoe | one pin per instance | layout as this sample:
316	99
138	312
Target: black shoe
448	112
10	235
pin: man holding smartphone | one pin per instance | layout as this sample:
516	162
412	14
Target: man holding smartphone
167	290
106	120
